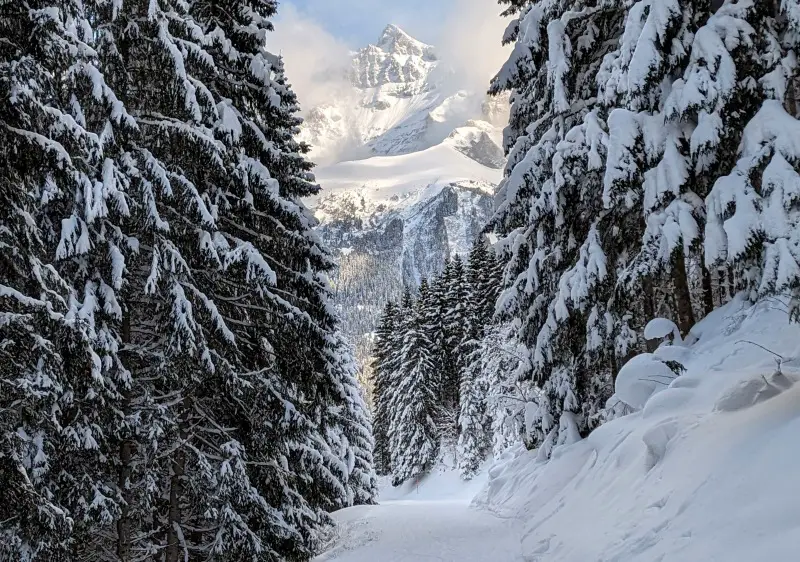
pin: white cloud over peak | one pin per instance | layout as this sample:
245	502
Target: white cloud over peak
470	41
316	61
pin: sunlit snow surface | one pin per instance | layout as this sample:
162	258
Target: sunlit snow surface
432	521
706	471
390	180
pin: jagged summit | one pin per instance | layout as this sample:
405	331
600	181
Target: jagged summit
396	59
402	101
396	41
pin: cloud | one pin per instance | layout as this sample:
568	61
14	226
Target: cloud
316	61
470	41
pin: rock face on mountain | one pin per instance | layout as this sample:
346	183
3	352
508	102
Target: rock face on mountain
417	232
408	165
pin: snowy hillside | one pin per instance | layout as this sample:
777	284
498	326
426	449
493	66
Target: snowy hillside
703	472
408	165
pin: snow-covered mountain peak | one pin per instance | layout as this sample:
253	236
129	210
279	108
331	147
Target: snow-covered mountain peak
408	159
397	58
396	41
399	99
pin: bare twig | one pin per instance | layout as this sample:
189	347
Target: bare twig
778	355
655	381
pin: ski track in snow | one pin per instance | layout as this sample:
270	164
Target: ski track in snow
424	530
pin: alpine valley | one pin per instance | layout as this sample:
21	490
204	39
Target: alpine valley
408	161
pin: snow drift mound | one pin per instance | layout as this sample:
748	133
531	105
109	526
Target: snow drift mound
704	469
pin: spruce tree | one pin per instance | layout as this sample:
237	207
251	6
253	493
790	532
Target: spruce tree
472	435
507	398
439	329
413	439
456	315
261	122
383	367
357	439
684	133
180	348
472	422
63	264
550	209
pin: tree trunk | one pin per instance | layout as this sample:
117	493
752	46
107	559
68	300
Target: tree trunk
649	311
174	516
125	456
708	292
683	297
731	284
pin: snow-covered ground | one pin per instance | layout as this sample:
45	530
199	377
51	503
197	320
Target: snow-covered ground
429	521
706	471
419	530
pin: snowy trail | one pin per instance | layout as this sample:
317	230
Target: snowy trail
408	530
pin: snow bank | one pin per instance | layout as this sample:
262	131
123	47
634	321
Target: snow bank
705	471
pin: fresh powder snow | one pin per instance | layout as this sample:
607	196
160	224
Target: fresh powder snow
427	520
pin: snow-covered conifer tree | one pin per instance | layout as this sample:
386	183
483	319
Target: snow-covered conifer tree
64	253
350	434
456	324
550	206
473	438
438	328
179	348
507	398
383	368
413	438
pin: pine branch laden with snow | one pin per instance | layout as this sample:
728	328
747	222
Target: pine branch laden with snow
754	225
509	401
751	208
64	244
